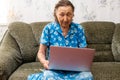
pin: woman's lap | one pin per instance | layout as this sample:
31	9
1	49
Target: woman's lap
61	75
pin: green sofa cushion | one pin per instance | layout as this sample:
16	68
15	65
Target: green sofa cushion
23	34
26	69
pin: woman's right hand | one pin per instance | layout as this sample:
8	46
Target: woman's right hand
42	57
45	64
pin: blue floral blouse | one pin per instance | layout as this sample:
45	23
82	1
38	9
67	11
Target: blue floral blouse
52	36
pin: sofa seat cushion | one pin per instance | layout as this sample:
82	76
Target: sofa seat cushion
24	70
106	70
100	70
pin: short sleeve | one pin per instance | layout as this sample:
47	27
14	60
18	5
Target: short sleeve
81	37
45	36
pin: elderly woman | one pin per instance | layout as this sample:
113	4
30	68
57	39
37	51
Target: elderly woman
62	32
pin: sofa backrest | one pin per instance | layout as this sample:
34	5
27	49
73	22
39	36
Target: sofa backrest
99	36
37	28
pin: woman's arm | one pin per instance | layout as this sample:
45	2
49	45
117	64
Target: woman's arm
41	56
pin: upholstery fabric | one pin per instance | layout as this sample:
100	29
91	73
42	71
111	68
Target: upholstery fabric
106	70
99	35
26	69
23	35
37	28
10	57
116	43
99	32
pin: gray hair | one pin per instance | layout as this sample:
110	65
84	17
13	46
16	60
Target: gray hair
62	3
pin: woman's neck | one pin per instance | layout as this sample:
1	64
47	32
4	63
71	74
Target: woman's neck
65	31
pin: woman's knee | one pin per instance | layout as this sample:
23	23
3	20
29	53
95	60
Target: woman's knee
49	74
85	76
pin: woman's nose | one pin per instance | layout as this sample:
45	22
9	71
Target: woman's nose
65	18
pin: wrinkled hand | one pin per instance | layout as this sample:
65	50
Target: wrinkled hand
45	64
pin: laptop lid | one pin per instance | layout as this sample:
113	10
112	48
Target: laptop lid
71	59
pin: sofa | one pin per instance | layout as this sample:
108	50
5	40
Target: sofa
19	47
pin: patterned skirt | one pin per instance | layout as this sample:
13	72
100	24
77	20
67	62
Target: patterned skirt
60	75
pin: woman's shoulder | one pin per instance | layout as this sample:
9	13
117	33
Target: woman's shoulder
51	25
77	25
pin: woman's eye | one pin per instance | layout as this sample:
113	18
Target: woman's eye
61	14
69	14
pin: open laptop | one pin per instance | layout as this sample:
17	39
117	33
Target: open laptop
71	59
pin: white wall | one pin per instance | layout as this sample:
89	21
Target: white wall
3	29
4	8
85	10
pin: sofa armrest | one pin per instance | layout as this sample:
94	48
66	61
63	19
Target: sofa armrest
116	43
10	57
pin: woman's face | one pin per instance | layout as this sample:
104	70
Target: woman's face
64	15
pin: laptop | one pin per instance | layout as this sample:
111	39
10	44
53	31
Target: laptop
71	59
